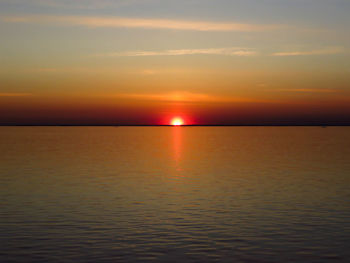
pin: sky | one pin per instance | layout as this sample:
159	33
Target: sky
144	62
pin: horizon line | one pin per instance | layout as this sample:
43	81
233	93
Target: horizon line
169	125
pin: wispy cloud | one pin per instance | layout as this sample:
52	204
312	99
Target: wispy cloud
149	23
326	51
77	4
311	90
182	96
15	94
181	52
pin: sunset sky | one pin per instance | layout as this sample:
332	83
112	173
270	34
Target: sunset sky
240	62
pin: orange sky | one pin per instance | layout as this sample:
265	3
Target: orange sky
156	111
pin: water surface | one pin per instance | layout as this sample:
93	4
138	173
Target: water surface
170	194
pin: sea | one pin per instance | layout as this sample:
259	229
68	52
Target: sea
174	194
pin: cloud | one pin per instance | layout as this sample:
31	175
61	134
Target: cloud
183	97
326	51
262	85
46	70
15	94
77	4
311	90
182	52
149	23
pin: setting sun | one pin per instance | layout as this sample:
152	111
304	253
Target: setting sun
177	121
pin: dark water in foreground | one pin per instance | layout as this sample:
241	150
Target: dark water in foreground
174	194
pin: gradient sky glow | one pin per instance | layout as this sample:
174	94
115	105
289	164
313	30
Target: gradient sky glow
146	61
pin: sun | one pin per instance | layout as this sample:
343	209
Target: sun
177	121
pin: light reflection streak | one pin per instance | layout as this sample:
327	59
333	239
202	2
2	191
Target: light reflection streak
177	146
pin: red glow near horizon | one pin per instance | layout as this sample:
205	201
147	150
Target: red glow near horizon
177	121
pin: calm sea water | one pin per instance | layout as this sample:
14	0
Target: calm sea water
174	194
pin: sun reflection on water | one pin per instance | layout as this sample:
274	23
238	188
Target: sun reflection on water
177	147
